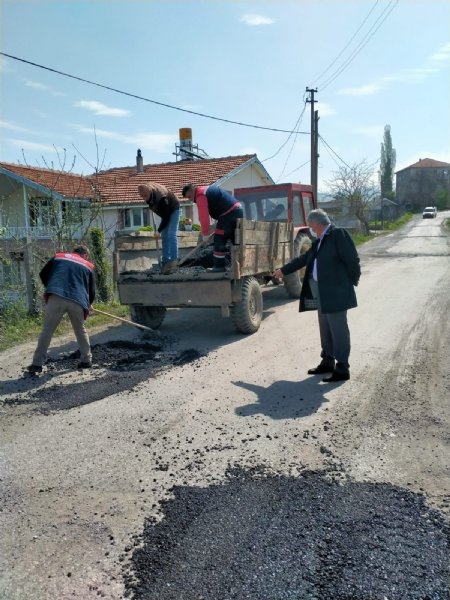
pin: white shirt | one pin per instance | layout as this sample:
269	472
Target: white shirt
314	272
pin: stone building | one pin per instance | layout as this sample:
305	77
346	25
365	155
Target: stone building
425	183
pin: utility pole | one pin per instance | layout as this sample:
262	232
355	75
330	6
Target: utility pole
314	140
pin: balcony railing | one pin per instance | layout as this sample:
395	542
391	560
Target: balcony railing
42	232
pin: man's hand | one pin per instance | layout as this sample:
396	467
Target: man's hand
278	274
156	235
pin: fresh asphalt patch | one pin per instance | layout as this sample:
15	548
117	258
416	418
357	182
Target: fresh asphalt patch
263	536
118	367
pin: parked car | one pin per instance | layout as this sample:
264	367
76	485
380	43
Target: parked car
429	212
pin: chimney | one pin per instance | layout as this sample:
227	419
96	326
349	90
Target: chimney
185	142
139	162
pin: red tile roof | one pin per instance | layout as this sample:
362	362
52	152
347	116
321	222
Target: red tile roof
119	185
426	163
70	185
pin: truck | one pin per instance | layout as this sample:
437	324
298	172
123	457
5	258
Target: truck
272	232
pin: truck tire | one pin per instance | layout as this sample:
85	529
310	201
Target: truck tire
293	282
150	316
247	314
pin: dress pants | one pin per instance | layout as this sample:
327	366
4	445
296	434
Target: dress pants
54	311
334	334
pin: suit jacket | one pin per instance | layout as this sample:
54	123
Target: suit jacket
338	271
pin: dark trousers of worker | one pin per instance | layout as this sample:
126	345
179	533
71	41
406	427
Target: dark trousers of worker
334	334
225	231
54	311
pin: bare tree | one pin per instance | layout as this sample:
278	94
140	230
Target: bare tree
355	187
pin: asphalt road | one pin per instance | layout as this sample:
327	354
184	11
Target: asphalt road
210	465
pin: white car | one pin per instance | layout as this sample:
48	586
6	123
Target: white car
429	212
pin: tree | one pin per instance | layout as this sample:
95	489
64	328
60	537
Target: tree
102	266
354	186
387	165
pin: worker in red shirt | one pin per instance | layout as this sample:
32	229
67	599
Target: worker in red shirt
214	202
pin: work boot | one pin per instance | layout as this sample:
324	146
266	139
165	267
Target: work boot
169	267
84	365
34	369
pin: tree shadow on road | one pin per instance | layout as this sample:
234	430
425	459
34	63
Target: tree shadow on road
286	399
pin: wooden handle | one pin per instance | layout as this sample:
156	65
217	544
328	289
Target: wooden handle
102	312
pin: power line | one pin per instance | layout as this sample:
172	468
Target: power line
334	152
298	168
369	35
347	45
111	89
295	130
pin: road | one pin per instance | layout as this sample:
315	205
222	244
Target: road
210	465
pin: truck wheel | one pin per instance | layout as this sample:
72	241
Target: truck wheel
293	282
247	313
150	316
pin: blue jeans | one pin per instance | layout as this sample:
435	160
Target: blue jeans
169	238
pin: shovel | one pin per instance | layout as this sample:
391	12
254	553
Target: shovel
149	330
194	250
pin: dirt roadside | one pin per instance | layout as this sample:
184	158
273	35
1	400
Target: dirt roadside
88	458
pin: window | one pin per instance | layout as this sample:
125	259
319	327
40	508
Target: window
297	209
43	212
135	217
307	203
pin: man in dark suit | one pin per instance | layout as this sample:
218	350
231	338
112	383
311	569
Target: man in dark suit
332	271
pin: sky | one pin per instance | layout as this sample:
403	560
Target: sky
373	62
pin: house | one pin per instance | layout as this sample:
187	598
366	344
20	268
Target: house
50	207
122	207
425	183
383	209
43	203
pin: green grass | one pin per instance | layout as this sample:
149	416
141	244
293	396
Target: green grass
360	238
446	224
17	326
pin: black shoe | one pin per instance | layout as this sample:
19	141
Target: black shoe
216	270
322	368
84	365
34	369
337	376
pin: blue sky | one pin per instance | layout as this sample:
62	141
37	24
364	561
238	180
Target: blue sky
244	61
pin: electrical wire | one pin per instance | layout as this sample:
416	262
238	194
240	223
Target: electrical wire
130	95
347	45
295	130
297	168
334	152
369	35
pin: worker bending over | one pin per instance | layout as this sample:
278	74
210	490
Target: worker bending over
214	202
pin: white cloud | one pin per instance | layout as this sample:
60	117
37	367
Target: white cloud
414	75
373	131
13	127
101	109
364	90
32	146
155	142
442	54
36	85
254	20
325	110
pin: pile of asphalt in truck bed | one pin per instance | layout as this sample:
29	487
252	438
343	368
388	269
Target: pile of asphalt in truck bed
278	537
